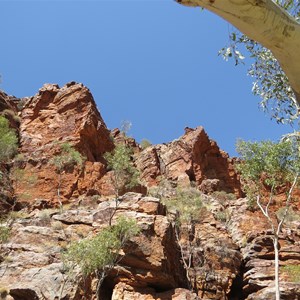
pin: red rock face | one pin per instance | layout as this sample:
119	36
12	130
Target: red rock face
52	117
191	158
66	114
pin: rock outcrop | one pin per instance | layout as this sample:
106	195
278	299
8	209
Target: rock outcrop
226	253
31	264
49	119
63	115
252	233
193	158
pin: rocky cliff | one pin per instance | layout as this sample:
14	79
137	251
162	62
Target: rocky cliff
225	253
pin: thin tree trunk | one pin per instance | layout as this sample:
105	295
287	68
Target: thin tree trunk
58	192
101	278
276	261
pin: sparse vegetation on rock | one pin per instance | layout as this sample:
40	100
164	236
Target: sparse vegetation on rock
266	168
68	158
98	255
125	175
8	140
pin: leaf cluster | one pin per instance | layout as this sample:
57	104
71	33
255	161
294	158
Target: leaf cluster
102	251
125	173
67	158
267	163
188	203
270	82
4	233
145	143
8	140
293	271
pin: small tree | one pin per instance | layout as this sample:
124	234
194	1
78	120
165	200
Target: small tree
68	157
188	204
21	178
98	255
145	143
8	140
125	174
265	168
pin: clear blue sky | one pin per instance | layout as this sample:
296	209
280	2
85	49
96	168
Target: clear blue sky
153	62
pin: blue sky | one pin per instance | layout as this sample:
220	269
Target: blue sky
153	62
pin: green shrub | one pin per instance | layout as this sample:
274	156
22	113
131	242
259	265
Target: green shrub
145	143
96	198
67	158
4	233
293	272
8	140
10	114
291	215
223	196
223	216
100	253
188	202
125	174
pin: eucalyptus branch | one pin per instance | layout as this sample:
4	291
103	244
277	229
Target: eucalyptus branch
287	205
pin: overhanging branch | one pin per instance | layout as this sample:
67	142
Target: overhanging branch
265	22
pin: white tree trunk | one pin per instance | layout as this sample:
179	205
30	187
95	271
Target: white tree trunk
265	22
276	261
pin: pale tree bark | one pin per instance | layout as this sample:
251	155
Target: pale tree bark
265	22
276	228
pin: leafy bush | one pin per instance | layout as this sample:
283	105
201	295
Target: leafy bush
267	164
10	114
125	173
4	233
223	196
293	272
8	140
188	202
145	143
223	216
101	253
67	158
291	215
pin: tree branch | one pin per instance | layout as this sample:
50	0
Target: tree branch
287	205
265	22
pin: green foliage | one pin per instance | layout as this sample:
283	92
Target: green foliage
67	158
10	114
223	216
188	202
293	272
270	82
21	176
223	196
291	215
145	143
8	140
125	173
102	251
267	164
14	215
4	233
